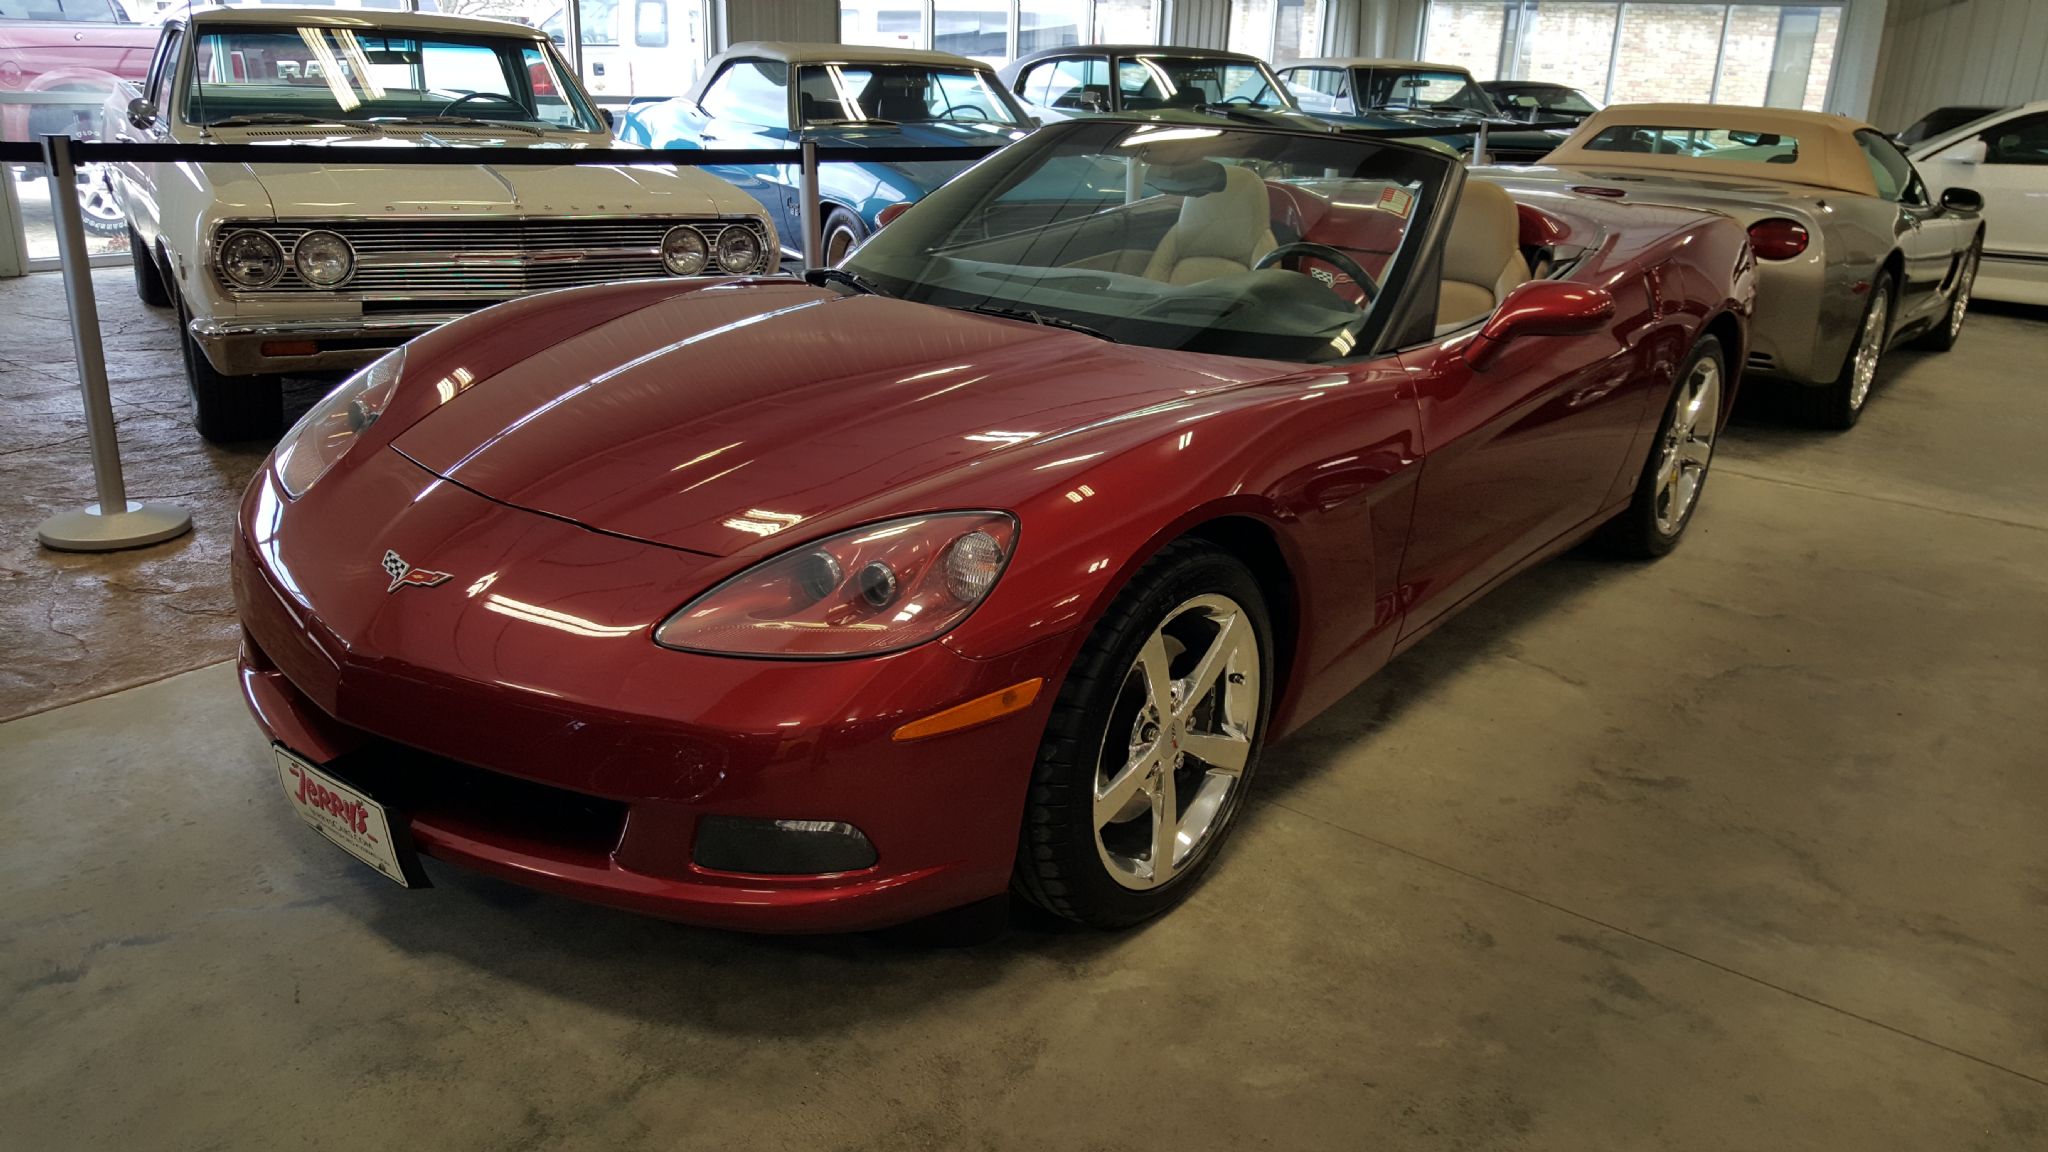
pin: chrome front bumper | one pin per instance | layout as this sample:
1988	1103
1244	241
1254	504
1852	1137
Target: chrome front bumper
261	347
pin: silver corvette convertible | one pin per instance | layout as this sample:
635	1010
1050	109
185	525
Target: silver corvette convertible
1854	255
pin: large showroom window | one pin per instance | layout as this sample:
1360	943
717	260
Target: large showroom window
1278	31
635	47
1776	54
998	31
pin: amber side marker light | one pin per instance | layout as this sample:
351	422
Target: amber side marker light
979	710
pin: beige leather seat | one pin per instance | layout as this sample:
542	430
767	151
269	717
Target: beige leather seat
1223	232
1482	257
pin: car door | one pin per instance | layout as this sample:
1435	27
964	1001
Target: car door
159	87
2007	164
1920	231
747	105
1520	454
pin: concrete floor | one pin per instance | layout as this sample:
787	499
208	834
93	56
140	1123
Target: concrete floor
1739	850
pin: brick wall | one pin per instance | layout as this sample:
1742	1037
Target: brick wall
1569	44
1667	52
1466	32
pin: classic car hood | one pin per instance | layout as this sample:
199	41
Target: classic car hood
717	417
935	134
342	189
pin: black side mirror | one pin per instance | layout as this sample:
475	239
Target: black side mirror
141	113
1962	200
611	123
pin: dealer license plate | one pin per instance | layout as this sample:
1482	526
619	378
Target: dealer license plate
344	815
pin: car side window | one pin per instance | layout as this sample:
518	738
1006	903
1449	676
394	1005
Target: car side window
751	92
163	70
1889	167
2020	141
1320	89
1079	83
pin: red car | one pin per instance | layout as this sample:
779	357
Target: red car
986	561
81	46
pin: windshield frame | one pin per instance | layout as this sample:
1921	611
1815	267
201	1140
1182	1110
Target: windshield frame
1364	80
1166	53
1386	323
987	77
569	88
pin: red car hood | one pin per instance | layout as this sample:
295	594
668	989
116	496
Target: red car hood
714	418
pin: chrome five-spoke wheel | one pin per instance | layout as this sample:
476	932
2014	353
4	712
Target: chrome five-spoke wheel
1869	348
1179	738
1688	444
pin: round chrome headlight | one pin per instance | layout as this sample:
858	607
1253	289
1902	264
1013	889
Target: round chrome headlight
739	250
251	259
323	259
683	251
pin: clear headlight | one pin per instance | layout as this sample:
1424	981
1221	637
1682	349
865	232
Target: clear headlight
324	434
871	590
251	259
739	250
323	259
683	251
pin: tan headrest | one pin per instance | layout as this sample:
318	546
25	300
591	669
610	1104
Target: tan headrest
1231	223
1483	233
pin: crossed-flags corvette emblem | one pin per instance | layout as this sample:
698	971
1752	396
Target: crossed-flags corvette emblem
402	573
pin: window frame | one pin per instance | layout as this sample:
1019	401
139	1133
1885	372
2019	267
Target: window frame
2016	123
789	117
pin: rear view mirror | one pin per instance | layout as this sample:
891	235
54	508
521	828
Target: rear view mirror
1541	308
1962	200
1971	151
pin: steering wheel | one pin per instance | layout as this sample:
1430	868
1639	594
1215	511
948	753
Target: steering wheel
979	113
1325	253
466	97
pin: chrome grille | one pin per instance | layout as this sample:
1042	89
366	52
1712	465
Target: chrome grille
484	260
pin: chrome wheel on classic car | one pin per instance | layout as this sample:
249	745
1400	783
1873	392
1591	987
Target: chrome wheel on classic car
985	562
1668	492
279	270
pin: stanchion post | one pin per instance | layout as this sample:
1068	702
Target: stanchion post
812	219
116	521
1479	144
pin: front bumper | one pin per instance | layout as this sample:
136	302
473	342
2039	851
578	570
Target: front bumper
249	347
583	763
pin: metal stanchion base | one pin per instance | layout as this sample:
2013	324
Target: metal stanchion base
90	531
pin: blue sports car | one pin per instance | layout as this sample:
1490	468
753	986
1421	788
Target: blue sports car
773	95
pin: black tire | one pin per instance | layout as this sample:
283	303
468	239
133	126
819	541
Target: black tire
1838	405
1646	529
149	279
841	228
229	409
1059	866
1943	336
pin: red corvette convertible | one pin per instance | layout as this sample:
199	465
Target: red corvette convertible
987	561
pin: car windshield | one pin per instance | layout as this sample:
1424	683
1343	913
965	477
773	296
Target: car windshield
1165	236
902	93
1548	99
1424	89
1150	82
280	73
67	11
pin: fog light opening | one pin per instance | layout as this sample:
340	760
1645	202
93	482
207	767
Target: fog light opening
781	847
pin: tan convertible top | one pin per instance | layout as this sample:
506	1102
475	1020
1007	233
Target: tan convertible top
1829	156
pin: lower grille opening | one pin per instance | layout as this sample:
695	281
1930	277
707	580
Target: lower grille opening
425	785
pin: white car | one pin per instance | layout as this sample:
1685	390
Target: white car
293	268
2005	158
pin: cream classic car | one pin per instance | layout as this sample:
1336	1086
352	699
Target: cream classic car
293	268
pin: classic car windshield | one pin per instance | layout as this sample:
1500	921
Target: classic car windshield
1697	143
1148	82
276	72
1549	100
903	93
1162	235
1417	88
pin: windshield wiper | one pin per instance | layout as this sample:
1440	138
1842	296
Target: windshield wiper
461	122
1036	317
819	277
279	118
